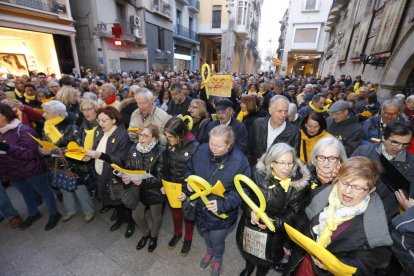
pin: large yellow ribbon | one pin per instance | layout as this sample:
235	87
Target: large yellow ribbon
262	201
51	130
206	80
201	190
188	120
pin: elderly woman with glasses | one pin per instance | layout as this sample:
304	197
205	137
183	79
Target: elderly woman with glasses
201	118
326	159
284	181
348	219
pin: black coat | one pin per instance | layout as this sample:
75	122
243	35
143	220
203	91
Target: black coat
239	129
199	129
152	162
281	206
349	132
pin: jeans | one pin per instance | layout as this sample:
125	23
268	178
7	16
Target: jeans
33	185
6	208
215	243
156	215
85	201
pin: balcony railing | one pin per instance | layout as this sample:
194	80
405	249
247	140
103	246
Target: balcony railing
162	7
194	5
185	32
45	5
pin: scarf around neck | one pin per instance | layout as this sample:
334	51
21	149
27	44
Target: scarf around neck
28	98
327	178
147	148
334	215
89	137
51	130
285	183
241	115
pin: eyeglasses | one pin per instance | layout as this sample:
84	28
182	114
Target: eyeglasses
331	159
87	109
390	114
284	164
146	136
312	127
398	144
356	188
193	107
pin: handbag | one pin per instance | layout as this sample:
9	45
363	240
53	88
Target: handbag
189	209
115	188
254	242
131	196
62	177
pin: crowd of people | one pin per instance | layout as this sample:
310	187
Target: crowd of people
329	159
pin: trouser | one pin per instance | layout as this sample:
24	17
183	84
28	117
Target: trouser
156	216
261	271
177	216
85	201
29	186
215	243
124	214
6	208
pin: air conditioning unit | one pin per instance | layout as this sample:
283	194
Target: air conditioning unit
135	20
137	33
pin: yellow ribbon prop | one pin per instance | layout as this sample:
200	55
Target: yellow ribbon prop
134	129
201	189
44	144
74	151
122	170
218	189
332	264
262	202
173	191
206	80
188	120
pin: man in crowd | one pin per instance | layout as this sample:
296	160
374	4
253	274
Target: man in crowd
120	88
109	95
271	130
53	88
345	126
84	85
179	101
317	104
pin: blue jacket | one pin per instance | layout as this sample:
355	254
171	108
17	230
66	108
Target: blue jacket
212	169
403	236
372	127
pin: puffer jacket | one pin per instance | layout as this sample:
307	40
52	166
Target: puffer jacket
281	207
152	162
213	169
69	130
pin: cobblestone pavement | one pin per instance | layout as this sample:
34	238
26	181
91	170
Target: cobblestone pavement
78	248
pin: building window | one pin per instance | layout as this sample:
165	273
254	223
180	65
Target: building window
161	44
310	5
216	19
242	13
120	12
305	35
178	17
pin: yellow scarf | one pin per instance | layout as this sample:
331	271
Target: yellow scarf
28	98
283	182
241	115
324	109
18	94
88	143
334	215
50	129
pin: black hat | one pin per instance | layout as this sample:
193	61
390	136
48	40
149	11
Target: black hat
223	103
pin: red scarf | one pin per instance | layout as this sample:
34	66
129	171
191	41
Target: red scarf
408	112
111	99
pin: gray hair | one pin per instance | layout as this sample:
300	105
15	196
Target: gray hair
134	88
56	108
90	96
410	98
53	83
400	97
395	102
274	153
293	109
278	98
326	142
144	92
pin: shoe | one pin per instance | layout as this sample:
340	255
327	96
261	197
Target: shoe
246	272
53	221
114	216
173	241
88	218
67	217
15	221
206	261
152	244
116	225
142	242
186	248
104	209
216	268
130	231
29	221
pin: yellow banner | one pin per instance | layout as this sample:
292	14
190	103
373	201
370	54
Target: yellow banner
220	86
173	191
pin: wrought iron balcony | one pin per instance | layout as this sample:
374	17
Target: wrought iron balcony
180	30
194	5
41	5
162	7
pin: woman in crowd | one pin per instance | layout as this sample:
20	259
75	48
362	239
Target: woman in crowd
218	161
70	97
348	219
111	144
30	96
284	182
147	155
198	112
164	98
22	165
249	111
313	128
60	130
326	159
179	150
19	89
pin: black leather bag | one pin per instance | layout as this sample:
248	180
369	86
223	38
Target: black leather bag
131	196
116	188
61	176
189	209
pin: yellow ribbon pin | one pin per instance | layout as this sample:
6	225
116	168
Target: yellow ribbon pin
188	120
201	190
262	202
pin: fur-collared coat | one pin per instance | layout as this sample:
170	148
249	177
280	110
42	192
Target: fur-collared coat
281	207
